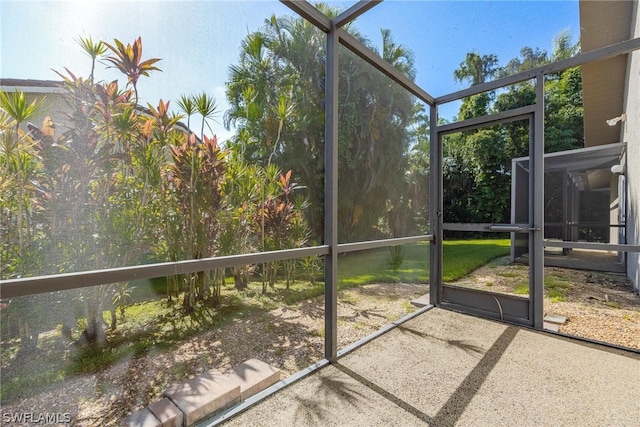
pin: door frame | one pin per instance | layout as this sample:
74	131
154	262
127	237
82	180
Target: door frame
509	308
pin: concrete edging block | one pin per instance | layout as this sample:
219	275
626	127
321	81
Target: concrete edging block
421	301
253	376
167	413
142	418
203	395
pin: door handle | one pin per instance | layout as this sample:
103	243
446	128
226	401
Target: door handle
512	228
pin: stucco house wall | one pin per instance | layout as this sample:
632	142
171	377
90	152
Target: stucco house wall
631	135
50	93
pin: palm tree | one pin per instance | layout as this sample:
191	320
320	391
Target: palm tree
375	119
206	107
397	55
188	106
94	50
563	47
276	98
251	91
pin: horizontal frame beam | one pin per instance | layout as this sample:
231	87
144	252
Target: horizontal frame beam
582	224
373	244
484	227
354	11
592	246
505	307
369	56
61	282
581	59
522	113
310	13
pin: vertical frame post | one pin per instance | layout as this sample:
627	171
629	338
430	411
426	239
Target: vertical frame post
565	204
331	198
536	210
435	209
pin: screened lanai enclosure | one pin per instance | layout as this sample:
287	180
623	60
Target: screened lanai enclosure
581	203
276	194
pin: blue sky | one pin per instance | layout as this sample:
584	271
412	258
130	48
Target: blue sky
198	40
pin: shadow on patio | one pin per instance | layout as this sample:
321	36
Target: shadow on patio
444	369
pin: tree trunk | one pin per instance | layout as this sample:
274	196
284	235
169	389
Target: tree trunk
93	333
114	320
28	339
240	278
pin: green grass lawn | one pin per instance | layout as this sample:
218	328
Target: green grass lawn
460	258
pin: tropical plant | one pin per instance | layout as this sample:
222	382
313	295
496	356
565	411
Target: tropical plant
18	159
128	59
477	164
206	107
195	181
94	199
187	105
276	94
242	192
19	210
93	49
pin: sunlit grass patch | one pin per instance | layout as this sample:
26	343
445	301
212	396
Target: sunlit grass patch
460	258
508	274
556	287
463	256
522	288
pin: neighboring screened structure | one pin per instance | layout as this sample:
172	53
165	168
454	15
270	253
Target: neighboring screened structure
581	203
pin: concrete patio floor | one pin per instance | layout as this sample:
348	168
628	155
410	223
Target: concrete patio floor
448	369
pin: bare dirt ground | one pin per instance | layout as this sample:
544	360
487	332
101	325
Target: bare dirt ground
290	338
598	306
